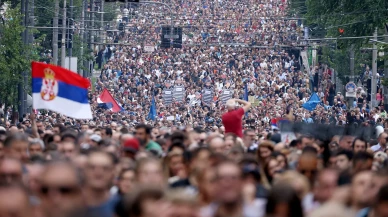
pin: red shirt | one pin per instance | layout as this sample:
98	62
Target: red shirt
232	122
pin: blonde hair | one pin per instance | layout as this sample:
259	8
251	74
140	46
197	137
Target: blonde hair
182	196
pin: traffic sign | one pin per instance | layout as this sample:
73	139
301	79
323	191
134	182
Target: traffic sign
351	87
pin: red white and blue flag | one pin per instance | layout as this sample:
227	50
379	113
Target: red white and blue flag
107	101
60	90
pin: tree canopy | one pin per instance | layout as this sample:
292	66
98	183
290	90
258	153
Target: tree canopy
16	56
343	18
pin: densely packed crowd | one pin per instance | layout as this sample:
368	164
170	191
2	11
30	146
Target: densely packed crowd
212	54
79	169
223	159
214	58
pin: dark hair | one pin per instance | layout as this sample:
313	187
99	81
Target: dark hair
361	139
176	144
283	193
69	134
362	156
146	127
134	202
61	127
247	131
11	138
382	196
161	141
309	150
347	153
178	136
108	131
105	142
37	159
275	154
48	138
124	130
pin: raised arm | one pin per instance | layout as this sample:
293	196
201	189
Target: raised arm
246	105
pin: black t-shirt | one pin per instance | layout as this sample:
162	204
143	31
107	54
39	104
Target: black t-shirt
181	183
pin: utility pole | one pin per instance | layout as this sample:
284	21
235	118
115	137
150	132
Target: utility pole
374	72
63	48
102	23
386	72
22	97
351	79
82	35
55	33
91	63
71	28
32	21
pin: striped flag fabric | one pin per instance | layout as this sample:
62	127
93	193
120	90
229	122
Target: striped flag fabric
226	94
179	93
167	95
109	101
207	95
60	90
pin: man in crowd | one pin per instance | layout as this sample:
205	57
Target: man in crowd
232	119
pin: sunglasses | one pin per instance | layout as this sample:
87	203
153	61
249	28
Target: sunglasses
64	190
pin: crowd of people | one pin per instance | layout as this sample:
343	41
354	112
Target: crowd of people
226	45
90	171
226	158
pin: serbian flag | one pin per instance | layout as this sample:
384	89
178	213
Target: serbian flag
60	90
107	99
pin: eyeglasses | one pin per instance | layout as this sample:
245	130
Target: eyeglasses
64	190
12	176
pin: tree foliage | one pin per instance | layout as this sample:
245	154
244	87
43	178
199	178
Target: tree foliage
355	17
339	59
16	56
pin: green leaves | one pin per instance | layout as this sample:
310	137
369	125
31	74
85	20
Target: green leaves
356	17
16	56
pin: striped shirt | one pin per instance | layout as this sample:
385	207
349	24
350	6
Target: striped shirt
207	95
167	95
179	93
226	95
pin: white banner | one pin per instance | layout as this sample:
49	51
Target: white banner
149	48
305	60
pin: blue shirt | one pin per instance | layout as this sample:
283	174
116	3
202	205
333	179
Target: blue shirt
104	210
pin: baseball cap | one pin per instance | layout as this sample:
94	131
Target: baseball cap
131	145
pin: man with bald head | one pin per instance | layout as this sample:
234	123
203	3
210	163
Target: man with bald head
217	145
381	146
232	119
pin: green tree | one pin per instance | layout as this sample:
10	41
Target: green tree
355	17
16	56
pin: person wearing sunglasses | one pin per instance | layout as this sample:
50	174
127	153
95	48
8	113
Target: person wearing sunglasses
60	190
